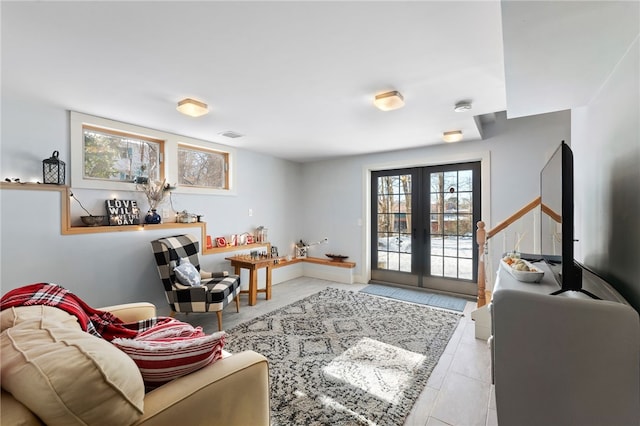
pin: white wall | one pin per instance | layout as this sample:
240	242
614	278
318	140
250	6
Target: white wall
118	267
310	201
606	146
334	196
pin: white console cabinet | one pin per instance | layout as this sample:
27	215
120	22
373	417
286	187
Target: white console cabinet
565	359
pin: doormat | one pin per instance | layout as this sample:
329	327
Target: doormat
416	296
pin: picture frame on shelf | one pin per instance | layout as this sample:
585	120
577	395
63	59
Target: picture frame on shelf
301	252
122	212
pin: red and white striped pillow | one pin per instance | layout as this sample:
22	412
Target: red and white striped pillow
170	350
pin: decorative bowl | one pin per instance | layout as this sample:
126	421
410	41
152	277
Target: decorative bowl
534	275
92	220
336	257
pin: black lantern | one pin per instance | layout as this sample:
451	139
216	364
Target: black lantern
53	170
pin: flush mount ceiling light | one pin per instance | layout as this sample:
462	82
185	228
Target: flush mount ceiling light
462	106
453	136
389	101
192	107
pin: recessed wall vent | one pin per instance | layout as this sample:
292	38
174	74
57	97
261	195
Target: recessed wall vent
231	134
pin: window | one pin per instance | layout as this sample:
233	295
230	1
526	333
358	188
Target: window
199	167
111	155
120	156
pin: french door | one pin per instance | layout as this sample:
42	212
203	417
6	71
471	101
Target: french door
423	227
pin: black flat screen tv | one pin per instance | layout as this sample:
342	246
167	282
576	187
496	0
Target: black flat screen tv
556	224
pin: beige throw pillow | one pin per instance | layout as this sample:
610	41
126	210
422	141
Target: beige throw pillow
68	377
46	314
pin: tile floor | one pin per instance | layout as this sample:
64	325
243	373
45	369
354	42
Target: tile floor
459	391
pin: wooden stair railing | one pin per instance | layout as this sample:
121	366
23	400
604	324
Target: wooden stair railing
483	236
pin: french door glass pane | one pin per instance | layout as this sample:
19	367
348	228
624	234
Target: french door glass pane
465	224
394	222
383	242
436	182
465	180
436	204
465	201
451	180
405	243
436	266
405	262
394	261
465	268
436	245
383	262
451	246
451	267
383	224
465	247
394	207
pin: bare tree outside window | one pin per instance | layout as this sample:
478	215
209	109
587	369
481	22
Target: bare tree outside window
200	167
119	156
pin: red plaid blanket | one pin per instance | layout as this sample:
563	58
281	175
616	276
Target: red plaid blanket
99	323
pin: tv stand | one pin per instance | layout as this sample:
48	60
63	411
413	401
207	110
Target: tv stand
588	293
566	359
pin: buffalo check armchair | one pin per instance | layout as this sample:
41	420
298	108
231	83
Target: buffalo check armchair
216	290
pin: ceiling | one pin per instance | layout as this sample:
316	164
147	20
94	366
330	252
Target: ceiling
296	78
558	54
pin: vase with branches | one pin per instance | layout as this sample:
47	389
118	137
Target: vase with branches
155	191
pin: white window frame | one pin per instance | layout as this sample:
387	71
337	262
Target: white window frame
223	154
170	163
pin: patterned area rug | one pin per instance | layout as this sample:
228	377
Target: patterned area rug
417	296
344	358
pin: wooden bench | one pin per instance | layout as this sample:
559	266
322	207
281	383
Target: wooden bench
316	267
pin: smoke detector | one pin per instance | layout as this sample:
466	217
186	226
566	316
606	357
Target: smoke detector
462	106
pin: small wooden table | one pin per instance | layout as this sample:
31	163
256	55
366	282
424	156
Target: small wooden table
246	262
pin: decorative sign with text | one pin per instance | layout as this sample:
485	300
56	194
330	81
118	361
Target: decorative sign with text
123	212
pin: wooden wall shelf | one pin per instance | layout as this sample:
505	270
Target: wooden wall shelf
327	262
67	229
76	230
316	260
33	186
227	249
